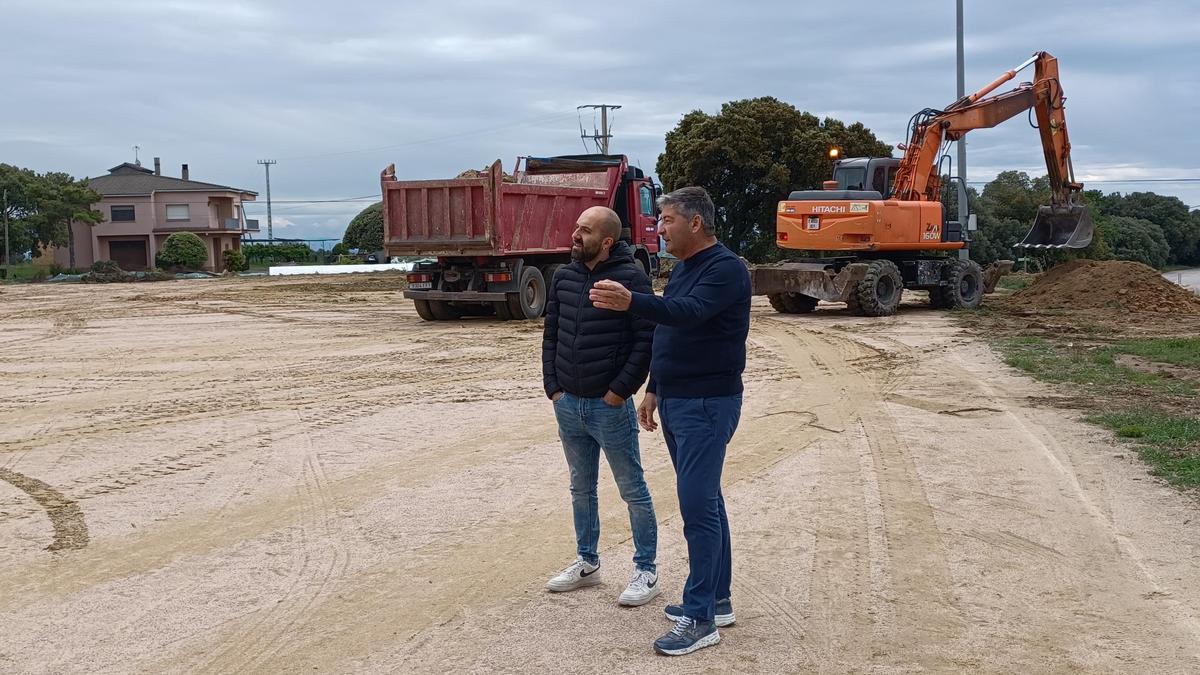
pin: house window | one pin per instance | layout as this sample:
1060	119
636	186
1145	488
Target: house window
122	214
177	212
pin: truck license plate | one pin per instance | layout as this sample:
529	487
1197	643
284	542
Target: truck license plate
814	222
421	284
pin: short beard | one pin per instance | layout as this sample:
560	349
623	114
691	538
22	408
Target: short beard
583	254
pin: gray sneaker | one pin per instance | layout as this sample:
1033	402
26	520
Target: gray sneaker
577	575
723	616
687	636
643	588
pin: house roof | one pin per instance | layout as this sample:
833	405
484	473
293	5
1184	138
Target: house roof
130	179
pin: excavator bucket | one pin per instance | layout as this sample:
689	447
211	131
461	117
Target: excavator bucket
1060	227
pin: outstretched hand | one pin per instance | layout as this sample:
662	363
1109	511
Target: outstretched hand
608	294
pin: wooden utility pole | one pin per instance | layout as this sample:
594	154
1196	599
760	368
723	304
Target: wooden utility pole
602	136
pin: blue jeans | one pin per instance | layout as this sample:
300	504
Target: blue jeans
586	425
697	431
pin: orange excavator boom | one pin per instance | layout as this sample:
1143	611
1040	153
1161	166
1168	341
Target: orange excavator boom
1064	223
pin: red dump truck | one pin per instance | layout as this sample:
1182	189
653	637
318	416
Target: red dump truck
499	239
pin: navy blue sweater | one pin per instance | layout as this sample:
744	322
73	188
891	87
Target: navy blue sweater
703	319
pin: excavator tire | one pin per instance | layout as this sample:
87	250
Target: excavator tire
964	285
853	304
798	303
878	294
937	298
424	311
792	303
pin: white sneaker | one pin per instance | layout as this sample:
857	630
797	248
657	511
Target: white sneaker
642	588
579	574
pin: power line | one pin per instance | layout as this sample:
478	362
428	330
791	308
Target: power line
324	201
437	139
1115	181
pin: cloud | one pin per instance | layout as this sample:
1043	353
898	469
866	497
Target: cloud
337	91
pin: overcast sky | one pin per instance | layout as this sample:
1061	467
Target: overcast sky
337	90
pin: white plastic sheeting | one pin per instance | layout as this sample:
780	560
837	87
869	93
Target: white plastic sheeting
337	269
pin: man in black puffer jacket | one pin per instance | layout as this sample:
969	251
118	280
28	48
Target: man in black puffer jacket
593	361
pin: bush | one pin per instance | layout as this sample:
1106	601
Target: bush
365	231
235	261
276	253
106	267
1138	240
182	250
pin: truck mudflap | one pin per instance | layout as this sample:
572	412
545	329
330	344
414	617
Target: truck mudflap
814	280
455	296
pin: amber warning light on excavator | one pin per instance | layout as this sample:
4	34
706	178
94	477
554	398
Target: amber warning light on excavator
834	153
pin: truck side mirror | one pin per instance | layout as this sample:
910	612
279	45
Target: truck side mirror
972	223
657	190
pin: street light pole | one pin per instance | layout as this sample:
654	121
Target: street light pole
963	212
7	253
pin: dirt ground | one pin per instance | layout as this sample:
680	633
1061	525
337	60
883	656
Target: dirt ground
298	475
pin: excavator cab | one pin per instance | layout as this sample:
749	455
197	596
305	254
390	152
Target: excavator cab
1067	226
866	173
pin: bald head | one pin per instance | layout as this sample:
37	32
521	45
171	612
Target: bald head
596	232
604	220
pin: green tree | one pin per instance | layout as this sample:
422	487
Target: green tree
41	207
182	250
18	207
61	200
235	260
1137	239
1014	195
749	156
365	231
1182	232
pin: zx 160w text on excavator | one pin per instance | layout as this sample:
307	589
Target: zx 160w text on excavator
882	218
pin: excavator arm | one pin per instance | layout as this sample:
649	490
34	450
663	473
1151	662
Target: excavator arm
1065	222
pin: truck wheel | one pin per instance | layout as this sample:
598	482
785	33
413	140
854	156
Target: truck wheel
479	310
530	299
644	265
878	293
792	303
444	311
424	311
964	284
548	273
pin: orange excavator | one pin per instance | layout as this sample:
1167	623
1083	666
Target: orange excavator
882	219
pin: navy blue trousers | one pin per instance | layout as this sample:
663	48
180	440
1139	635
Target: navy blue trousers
697	431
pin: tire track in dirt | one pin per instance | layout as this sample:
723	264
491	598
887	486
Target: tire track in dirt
70	530
895	548
322	557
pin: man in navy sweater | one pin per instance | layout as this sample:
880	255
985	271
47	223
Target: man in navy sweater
695	383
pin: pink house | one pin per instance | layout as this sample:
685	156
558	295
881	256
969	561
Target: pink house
142	208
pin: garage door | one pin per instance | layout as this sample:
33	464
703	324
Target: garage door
130	255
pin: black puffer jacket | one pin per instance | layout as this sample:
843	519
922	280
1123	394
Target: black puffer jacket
588	351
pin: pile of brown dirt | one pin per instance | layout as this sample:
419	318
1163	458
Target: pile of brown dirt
1105	284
